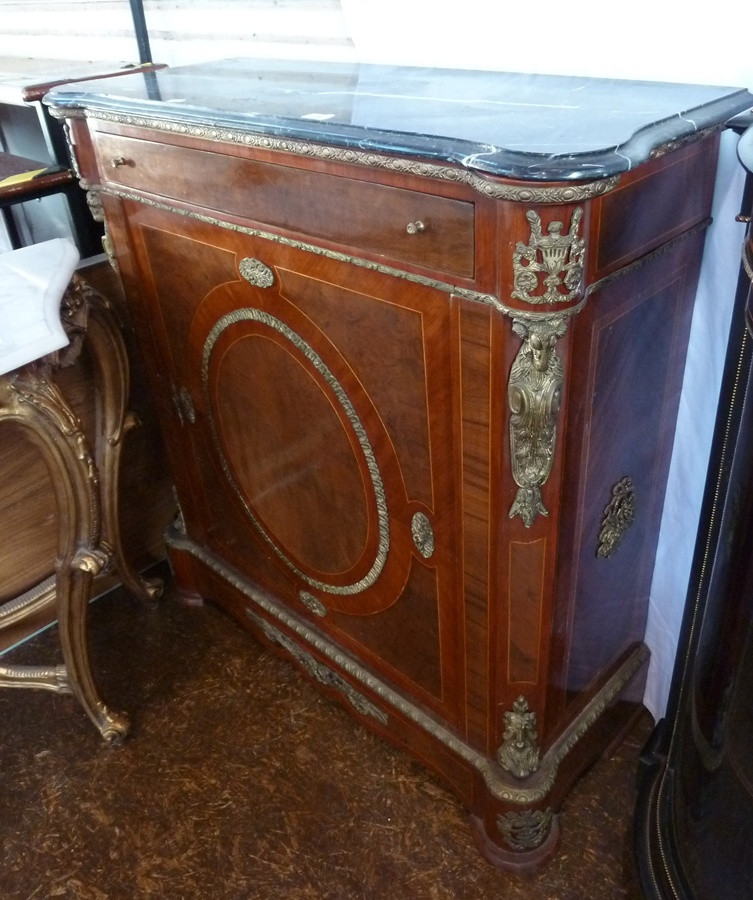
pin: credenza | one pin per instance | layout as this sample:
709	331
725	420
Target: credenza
416	338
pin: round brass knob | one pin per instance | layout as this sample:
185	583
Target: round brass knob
415	227
119	161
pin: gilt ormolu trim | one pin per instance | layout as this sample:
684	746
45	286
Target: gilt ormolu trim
249	314
519	753
423	535
619	515
312	603
256	272
557	256
525	830
496	780
487	186
319	671
679	143
462	293
534	389
534	394
446	287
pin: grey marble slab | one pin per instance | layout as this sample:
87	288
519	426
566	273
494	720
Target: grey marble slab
530	127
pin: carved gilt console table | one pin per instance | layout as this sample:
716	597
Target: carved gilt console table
39	284
417	339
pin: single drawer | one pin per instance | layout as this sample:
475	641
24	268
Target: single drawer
405	225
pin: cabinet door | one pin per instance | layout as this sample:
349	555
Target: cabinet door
315	393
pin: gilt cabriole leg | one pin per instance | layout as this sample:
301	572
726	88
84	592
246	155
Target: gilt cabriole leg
29	398
108	353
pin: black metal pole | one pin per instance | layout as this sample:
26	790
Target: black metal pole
142	35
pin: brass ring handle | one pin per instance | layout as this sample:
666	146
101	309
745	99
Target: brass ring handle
415	227
119	161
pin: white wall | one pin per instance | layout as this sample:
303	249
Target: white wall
181	31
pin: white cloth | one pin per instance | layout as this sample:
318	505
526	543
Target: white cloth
33	281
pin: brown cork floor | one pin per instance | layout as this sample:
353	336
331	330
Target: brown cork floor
239	781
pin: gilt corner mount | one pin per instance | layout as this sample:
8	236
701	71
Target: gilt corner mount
555	262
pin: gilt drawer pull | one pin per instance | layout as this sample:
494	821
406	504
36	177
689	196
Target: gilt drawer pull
119	161
415	227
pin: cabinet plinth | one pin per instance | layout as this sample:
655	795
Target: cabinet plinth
419	419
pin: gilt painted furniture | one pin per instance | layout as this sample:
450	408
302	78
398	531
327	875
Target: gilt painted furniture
46	312
417	339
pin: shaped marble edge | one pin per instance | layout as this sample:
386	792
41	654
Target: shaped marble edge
560	128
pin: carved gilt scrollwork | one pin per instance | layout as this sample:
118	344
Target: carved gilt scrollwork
519	753
534	393
555	256
619	515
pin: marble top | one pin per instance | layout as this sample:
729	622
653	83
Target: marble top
530	127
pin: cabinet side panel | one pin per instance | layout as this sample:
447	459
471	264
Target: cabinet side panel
621	429
655	204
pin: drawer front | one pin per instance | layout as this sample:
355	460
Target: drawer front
408	226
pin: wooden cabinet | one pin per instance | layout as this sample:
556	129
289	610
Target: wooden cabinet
419	417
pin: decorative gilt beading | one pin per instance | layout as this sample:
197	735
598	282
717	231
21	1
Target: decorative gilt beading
380	499
525	830
497	782
534	392
554	256
423	535
488	186
323	674
519	753
256	273
619	515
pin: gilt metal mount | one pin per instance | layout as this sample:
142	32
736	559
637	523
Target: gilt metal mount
256	272
519	753
555	257
534	393
619	515
525	830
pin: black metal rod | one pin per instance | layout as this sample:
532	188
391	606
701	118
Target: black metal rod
142	35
